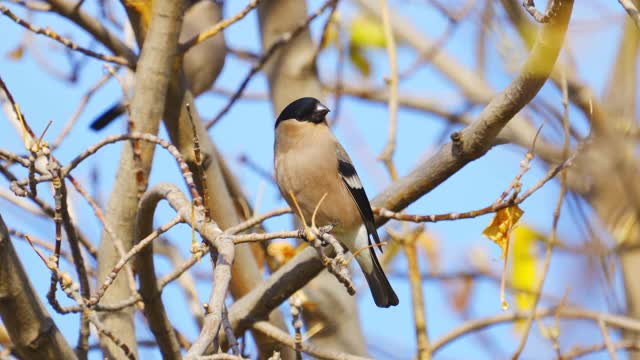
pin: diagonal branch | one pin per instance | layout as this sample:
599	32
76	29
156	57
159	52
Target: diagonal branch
317	352
632	10
32	331
96	28
62	40
476	139
466	146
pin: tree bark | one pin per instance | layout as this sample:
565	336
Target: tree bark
31	329
154	70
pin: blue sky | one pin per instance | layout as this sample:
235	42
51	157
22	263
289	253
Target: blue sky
362	130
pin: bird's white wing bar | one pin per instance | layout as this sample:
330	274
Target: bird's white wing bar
352	181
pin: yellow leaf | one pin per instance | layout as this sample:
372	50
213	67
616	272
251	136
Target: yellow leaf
142	8
16	54
366	32
524	264
282	251
524	267
499	230
359	59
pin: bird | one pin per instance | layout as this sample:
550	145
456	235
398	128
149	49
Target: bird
201	64
313	170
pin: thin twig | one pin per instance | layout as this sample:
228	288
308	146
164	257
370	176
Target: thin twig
128	256
607	340
117	242
296	322
81	106
325	32
580	351
256	220
28	133
284	39
71	290
419	314
215	29
18	186
554	227
617	321
41	243
386	155
232	341
479	212
200	171
317	352
551	12
62	40
257	237
62	211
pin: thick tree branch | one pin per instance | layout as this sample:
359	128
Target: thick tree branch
152	77
149	291
476	139
225	250
32	331
474	88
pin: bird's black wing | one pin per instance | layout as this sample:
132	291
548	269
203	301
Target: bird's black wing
352	181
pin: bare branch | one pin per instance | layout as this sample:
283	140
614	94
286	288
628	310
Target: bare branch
419	313
151	295
476	139
62	40
552	10
632	10
284	39
620	322
315	351
386	155
70	10
33	332
220	26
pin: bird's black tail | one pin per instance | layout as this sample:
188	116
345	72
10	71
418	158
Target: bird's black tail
108	116
382	292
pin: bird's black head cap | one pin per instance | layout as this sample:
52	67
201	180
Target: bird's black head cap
304	109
